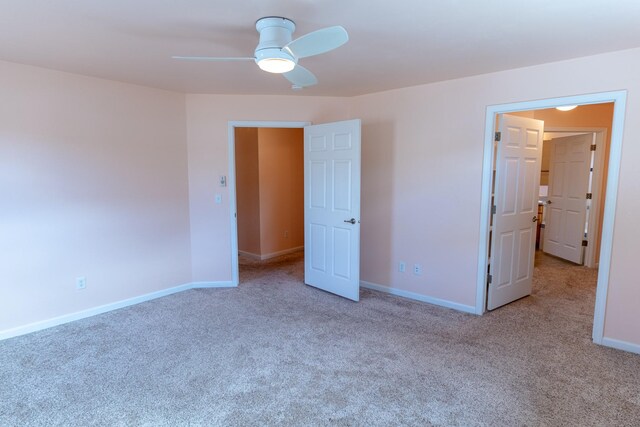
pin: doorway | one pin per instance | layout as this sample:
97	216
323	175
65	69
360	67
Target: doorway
331	203
262	234
597	146
619	100
269	191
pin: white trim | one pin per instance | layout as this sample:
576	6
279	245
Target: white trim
251	255
272	254
596	188
621	345
207	285
418	297
608	220
619	99
67	318
231	181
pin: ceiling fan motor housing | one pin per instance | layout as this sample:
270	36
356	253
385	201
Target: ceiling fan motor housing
275	33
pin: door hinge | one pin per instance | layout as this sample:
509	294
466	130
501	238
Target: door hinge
593	147
489	278
589	196
497	136
493	210
585	243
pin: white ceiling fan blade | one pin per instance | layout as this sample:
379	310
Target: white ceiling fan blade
212	58
318	42
301	77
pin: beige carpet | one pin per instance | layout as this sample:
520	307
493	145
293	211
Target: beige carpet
276	352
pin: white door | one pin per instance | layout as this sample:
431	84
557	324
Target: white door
566	210
513	236
332	207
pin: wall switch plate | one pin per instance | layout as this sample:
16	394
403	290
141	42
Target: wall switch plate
81	283
402	267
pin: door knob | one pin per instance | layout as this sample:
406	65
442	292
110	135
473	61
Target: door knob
351	221
534	219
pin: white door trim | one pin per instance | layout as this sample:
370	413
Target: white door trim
619	98
596	188
231	181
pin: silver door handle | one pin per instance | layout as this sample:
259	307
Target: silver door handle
351	221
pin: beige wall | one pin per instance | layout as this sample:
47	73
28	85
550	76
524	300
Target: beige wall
93	183
247	189
545	162
208	118
422	166
422	157
281	189
596	115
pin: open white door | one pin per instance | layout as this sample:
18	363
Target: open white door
332	207
516	207
569	164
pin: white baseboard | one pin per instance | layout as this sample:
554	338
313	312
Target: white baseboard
418	297
272	254
250	255
202	285
66	318
621	345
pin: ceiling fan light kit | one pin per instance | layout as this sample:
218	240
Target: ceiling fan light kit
275	61
275	32
277	53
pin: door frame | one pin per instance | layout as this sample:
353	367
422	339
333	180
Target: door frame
619	99
596	187
231	182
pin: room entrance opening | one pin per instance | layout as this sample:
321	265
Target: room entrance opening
506	255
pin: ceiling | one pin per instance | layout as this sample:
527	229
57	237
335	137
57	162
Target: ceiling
392	43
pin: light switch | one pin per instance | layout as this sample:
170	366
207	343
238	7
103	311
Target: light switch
218	198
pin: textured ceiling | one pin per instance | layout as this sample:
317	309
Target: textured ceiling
392	43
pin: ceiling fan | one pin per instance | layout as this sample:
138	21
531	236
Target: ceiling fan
277	53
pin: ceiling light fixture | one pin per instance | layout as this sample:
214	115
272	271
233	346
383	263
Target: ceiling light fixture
566	107
278	53
273	60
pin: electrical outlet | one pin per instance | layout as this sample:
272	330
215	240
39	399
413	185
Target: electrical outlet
417	269
402	267
81	283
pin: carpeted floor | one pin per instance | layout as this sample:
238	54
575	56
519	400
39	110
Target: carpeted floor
276	352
